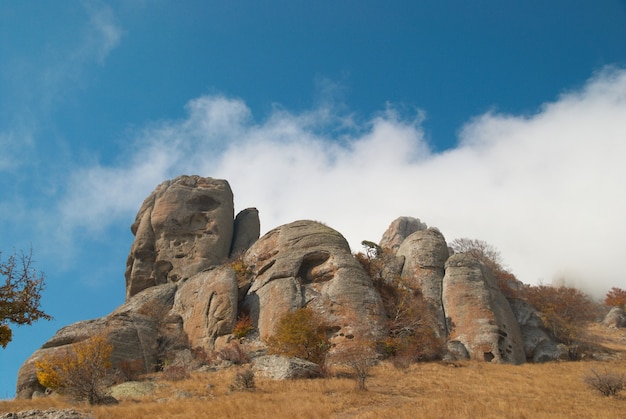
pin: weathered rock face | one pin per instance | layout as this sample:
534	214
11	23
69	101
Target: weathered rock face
615	318
480	317
207	304
400	229
539	346
305	263
182	228
132	329
425	253
247	230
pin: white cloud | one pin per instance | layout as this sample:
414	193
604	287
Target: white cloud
546	189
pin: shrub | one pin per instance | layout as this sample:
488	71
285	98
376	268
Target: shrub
175	373
243	327
243	380
565	310
241	268
81	372
616	297
300	334
233	353
606	383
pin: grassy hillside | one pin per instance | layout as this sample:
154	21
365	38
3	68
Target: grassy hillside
437	390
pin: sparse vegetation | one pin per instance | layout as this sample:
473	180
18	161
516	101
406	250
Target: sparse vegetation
412	336
243	380
80	372
433	389
300	334
360	357
490	256
234	353
607	383
20	294
175	372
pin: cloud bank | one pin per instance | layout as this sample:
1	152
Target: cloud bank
546	189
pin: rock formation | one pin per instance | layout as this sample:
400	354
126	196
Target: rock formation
207	304
247	230
615	318
400	229
425	253
539	346
480	317
182	228
306	263
193	269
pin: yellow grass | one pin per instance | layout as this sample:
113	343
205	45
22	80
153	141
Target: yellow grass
431	390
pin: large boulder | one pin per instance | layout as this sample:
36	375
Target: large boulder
479	316
306	263
281	367
539	345
183	227
207	304
425	253
615	318
400	229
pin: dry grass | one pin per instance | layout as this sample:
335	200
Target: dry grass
430	390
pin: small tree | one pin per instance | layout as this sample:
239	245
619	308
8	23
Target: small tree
616	297
360	356
300	334
20	294
79	372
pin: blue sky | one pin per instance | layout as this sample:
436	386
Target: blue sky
498	120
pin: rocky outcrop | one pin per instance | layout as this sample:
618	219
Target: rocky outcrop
207	304
134	329
247	230
306	263
615	318
400	229
182	228
425	253
479	316
183	292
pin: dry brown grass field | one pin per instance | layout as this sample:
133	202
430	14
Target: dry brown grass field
429	390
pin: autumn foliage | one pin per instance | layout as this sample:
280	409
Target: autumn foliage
616	297
300	334
80	371
565	310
